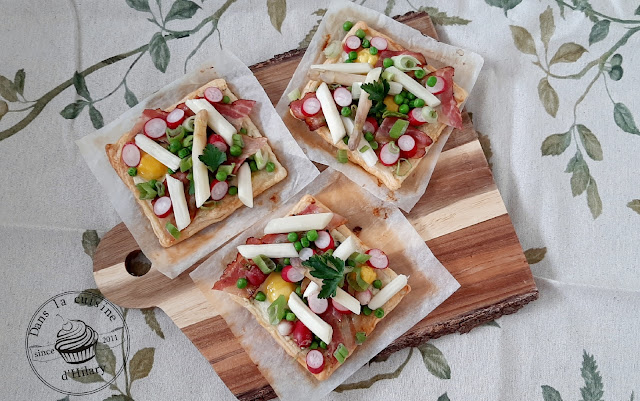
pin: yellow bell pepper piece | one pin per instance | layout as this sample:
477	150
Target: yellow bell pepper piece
368	274
276	286
365	57
391	104
150	168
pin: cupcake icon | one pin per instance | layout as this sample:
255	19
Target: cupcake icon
76	342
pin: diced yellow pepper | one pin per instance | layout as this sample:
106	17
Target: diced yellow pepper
391	104
150	168
365	57
276	286
368	274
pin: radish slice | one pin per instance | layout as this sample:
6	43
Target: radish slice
219	142
311	107
317	305
285	327
324	241
175	118
155	128
339	307
342	96
415	117
406	143
353	42
370	125
378	260
162	206
315	361
219	189
306	253
131	155
387	156
363	297
213	95
292	274
438	88
379	43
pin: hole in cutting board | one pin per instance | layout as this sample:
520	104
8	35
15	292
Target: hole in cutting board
137	263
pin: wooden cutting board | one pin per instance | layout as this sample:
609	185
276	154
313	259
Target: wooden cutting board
461	217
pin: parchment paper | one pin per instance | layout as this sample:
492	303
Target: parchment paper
383	226
467	67
176	259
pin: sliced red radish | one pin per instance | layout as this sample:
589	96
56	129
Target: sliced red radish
306	253
292	274
155	128
324	241
311	107
218	141
285	327
407	142
438	88
415	117
162	206
379	43
363	297
342	96
339	307
315	361
175	118
378	260
370	125
131	155
301	335
213	95
317	305
219	189
352	43
389	154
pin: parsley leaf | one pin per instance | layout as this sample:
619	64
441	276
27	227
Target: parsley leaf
377	90
212	157
328	268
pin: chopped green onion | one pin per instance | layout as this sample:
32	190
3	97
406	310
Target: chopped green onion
187	141
312	235
361	33
368	136
354	108
387	62
351	263
366	310
393	148
242	283
233	190
132	171
374	145
237	140
159	188
388	113
432	81
271	167
347	25
364	148
341	353
189	124
398	128
420	73
186	164
345	140
378	312
348	61
265	264
260	296
243	130
387	75
276	310
361	258
342	156
314	345
294	94
147	191
172	230
226	99
429	114
323	345
169	171
227	169
253	166
377	284
405	62
361	337
406	171
173	133
299	291
184	152
332	50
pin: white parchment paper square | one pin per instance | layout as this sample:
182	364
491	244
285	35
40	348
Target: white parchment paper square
383	226
467	67
176	259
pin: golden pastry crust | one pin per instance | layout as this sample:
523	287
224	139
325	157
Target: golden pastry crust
261	180
386	174
361	322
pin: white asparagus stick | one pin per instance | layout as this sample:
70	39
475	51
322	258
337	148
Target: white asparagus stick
313	322
414	87
284	250
335	77
342	297
156	151
216	121
369	156
388	291
305	222
364	105
331	113
345	249
179	202
245	187
349	68
200	173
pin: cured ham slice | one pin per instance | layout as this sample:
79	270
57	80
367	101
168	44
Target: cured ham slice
422	140
314	122
236	111
335	222
448	111
251	146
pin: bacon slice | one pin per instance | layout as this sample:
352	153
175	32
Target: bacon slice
314	122
236	111
448	112
344	331
251	146
336	221
153	113
242	268
391	53
423	140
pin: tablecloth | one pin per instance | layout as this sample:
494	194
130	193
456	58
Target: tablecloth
557	110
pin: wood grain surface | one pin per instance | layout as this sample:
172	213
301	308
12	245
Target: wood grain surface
461	217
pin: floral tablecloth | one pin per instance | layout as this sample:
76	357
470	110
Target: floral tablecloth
557	108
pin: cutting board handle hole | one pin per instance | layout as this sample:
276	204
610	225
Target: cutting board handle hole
137	264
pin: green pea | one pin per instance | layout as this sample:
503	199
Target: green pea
398	99
387	62
373	144
351	262
377	284
312	235
379	313
292	237
182	153
175	146
279	267
348	61
305	242
290	316
366	310
323	345
253	166
406	100
226	99
233	190
360	33
346	111
420	74
299	291
235	150
221	176
368	136
314	345
260	296
132	171
366	43
271	167
243	130
242	283
286	261
353	55
432	81
373	50
169	171
404	109
418	102
347	25
298	246
411	96
345	140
